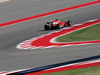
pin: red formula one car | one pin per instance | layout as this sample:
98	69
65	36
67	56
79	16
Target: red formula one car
56	24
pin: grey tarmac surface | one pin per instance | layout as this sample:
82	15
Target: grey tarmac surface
12	58
16	9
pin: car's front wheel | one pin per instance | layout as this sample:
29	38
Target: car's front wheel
69	23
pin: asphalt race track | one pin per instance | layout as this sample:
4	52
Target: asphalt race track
12	58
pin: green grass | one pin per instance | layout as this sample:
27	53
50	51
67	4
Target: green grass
86	34
85	71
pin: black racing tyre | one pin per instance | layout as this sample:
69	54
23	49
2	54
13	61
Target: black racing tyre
65	24
58	26
69	23
52	27
46	27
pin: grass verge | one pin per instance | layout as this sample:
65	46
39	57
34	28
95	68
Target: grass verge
86	34
85	71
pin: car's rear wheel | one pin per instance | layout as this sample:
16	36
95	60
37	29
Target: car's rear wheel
46	27
52	27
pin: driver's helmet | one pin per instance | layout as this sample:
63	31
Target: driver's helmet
56	19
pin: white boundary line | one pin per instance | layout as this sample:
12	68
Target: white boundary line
80	63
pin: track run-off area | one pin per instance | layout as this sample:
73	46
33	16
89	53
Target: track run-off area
38	52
